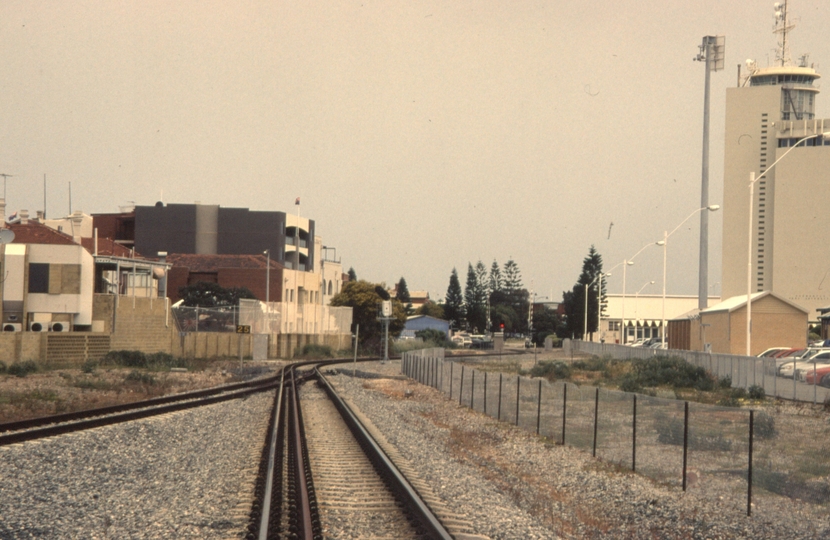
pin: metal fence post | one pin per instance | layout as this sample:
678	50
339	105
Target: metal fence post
461	387
749	470
499	410
518	386
634	437
564	409
539	407
472	389
451	365
685	440
596	421
485	392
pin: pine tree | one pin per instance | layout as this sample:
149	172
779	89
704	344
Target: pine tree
402	294
474	300
454	304
591	276
352	274
495	277
512	277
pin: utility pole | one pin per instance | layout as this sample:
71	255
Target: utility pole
712	53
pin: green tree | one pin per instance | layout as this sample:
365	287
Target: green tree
454	303
575	304
431	309
209	294
402	294
475	300
513	295
365	302
495	277
352	274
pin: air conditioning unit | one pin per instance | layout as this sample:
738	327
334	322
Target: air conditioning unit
12	327
59	327
36	326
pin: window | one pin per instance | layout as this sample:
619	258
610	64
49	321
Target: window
38	277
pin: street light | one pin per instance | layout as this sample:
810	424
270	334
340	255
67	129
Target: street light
636	301
752	180
664	243
587	285
626	263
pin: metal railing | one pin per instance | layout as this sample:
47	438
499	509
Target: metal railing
741	458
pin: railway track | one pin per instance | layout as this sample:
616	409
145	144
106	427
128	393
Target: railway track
323	474
48	426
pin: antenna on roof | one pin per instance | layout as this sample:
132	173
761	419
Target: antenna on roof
782	26
5	176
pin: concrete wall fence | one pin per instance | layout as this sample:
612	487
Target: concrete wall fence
145	324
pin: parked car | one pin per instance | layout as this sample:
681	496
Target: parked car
820	376
772	352
815	363
788	369
638	343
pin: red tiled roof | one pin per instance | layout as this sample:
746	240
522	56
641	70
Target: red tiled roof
37	233
108	247
212	263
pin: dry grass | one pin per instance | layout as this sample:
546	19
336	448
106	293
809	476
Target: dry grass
68	390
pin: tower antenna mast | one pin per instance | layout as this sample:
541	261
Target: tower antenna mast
782	26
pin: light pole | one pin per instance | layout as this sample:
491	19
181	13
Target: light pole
664	243
636	301
587	285
626	263
752	180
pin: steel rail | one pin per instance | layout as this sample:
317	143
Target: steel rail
302	477
397	482
274	468
112	409
98	421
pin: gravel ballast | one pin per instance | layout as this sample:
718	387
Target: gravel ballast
512	484
187	474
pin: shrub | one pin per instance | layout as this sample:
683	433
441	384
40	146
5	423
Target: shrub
594	363
757	392
729	401
670	431
725	382
313	350
551	370
431	335
2	367
138	377
630	384
765	426
89	366
671	371
21	369
126	358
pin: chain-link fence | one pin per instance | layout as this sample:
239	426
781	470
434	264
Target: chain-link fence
775	375
271	318
731	455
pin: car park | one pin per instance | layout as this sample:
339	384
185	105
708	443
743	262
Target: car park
815	363
772	352
789	368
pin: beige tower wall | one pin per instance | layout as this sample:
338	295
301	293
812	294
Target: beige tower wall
744	142
802	209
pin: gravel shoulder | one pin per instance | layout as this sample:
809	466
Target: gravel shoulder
512	484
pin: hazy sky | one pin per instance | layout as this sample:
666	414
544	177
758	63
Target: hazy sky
420	135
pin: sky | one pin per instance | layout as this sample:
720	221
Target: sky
421	136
